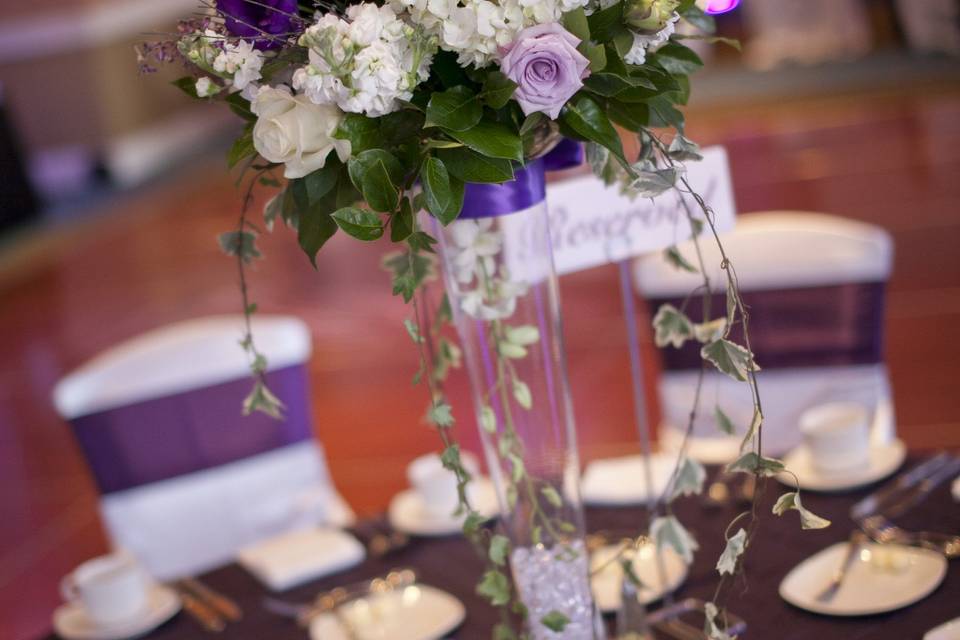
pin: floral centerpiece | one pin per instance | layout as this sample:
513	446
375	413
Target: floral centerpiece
364	115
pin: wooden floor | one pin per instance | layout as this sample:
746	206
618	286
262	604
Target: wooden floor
149	258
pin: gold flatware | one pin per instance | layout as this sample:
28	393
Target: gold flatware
205	615
224	605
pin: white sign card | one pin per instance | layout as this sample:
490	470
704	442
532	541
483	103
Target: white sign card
592	224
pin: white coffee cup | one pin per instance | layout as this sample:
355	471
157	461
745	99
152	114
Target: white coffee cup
837	435
111	588
436	485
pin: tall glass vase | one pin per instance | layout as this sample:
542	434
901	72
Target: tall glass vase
502	287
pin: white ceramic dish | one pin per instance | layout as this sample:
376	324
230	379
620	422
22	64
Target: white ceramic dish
884	460
407	512
622	481
417	612
71	621
883	578
607	576
947	631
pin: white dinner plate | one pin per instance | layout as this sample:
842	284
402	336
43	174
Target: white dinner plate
614	482
606	575
884	460
71	621
407	512
883	578
949	630
417	612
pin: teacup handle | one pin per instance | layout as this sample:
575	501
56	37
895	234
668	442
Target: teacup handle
68	588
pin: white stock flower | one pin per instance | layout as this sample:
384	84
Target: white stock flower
239	62
474	246
366	63
641	42
206	88
292	130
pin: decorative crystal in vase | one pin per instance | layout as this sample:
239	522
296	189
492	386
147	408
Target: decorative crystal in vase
502	288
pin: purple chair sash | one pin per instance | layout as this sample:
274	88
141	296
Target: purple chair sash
166	437
839	325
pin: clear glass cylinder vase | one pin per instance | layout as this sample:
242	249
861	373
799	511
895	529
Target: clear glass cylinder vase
502	287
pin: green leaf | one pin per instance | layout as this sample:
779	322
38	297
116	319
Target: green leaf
241	148
611	84
632	116
499	548
586	119
710	628
689	478
378	190
241	244
495	587
750	462
409	272
488	419
606	23
667	531
441	414
399	126
241	107
650	182
315	226
273	209
443	198
262	399
421	241
524	335
808	519
503	631
401	222
684	150
510	350
576	23
521	393
360	163
497	89
552	496
362	132
315	185
187	84
470	166
456	109
752	430
723	422
671	326
710	331
673	256
678	59
451	458
664	114
531	122
555	620
412	331
736	544
730	358
702	21
595	53
492	140
361	224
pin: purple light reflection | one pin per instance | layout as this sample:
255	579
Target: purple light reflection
715	7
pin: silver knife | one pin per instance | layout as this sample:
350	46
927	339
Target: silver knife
875	501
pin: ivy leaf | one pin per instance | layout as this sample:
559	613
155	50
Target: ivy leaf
673	256
730	358
444	197
408	270
495	587
455	109
552	496
499	548
470	166
755	423
710	628
808	519
671	326
709	331
734	549
262	399
582	115
667	531
555	620
361	224
750	462
441	414
649	182
521	393
493	140
273	209
523	335
240	244
731	306
684	150
497	89
413	331
488	419
690	478
723	422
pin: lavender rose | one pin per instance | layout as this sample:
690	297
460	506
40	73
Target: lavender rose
254	19
545	64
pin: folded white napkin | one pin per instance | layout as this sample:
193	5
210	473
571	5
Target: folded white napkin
290	559
622	481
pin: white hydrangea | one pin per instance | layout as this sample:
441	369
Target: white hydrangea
239	62
476	29
365	63
642	42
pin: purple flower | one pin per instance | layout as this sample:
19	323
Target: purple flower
254	18
545	64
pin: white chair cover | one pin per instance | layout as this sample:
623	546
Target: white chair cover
813	255
178	389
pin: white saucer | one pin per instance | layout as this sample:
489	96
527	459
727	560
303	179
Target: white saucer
718	449
949	630
621	481
606	582
71	621
884	460
417	612
875	583
408	513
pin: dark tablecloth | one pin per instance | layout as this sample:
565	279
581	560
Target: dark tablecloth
449	563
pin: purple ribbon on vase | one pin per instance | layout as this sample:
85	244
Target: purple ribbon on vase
528	187
162	438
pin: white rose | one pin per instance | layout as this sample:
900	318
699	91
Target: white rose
292	130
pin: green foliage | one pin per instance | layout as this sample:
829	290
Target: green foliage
689	478
673	256
470	166
242	244
729	358
750	462
361	224
667	531
555	621
723	422
444	195
497	90
584	117
736	544
408	272
671	326
499	549
492	140
188	85
607	23
495	587
576	23
241	148
808	519
456	109
678	59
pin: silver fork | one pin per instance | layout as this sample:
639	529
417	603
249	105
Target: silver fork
884	531
857	538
